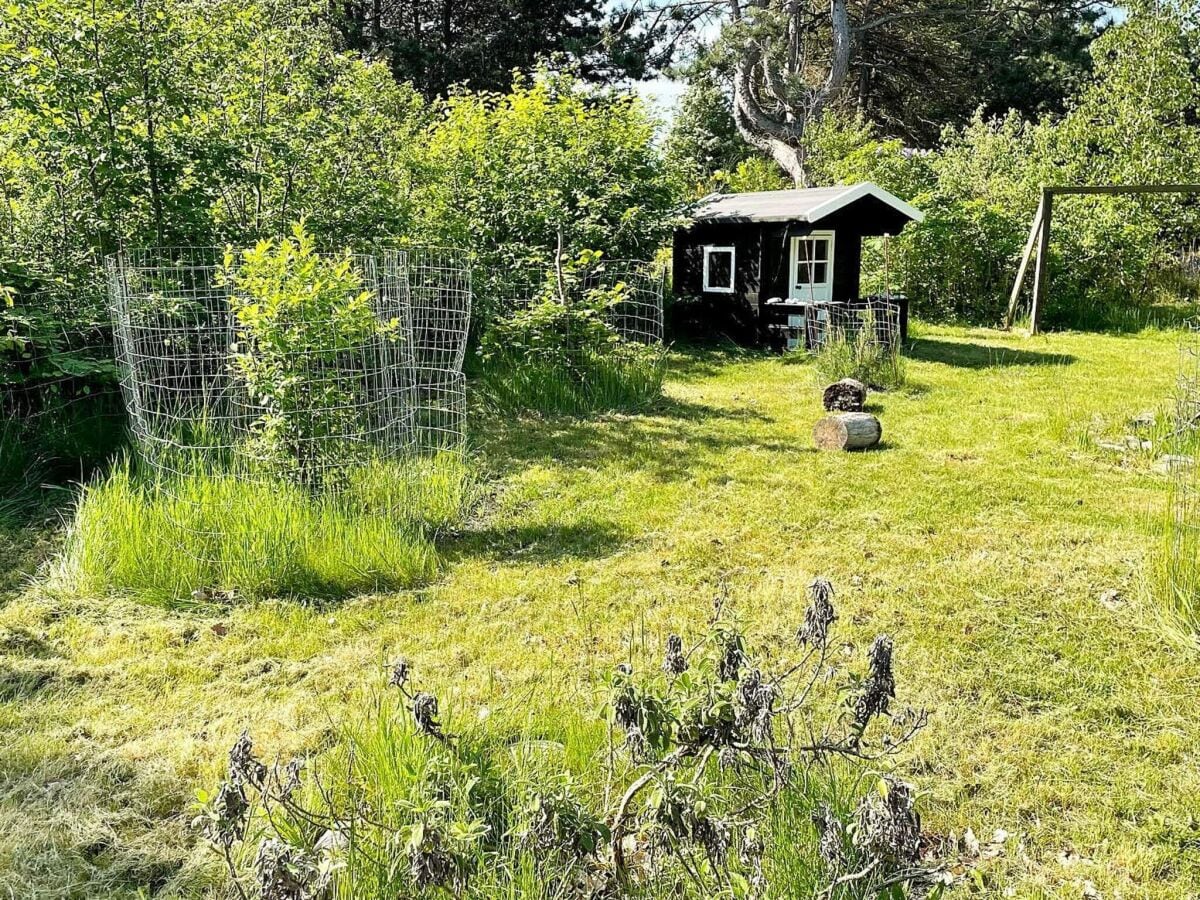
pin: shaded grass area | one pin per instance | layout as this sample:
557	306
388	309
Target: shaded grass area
620	377
215	532
982	539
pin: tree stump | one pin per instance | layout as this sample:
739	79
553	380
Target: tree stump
847	431
846	395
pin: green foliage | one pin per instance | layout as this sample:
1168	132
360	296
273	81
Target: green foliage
507	172
298	319
226	535
1131	124
561	352
409	804
703	139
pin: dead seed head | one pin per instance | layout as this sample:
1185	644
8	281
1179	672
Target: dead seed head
290	781
227	823
286	872
888	827
401	670
429	863
830	830
674	662
425	714
819	615
732	657
244	766
754	706
879	688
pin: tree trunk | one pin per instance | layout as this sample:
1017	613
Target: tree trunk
770	114
847	395
847	431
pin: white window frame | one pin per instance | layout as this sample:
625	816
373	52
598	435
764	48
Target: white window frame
808	291
732	251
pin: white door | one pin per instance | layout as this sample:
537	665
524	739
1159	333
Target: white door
812	266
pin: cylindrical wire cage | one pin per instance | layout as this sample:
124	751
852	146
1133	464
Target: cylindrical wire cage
439	290
872	322
584	335
322	371
1182	569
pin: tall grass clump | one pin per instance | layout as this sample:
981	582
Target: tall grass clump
581	338
625	377
712	777
1177	569
1176	573
877	364
215	533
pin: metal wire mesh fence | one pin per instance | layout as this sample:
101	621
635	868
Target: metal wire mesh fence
439	291
586	335
874	322
1180	566
302	369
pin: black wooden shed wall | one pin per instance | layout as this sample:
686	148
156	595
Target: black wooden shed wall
761	265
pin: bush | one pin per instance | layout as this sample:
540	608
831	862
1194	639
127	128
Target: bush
508	176
714	778
220	535
581	342
304	329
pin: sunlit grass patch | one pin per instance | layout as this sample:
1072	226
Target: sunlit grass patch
213	533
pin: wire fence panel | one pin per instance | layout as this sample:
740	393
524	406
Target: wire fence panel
583	336
619	298
290	384
870	322
438	282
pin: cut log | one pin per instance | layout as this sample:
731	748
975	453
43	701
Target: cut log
847	431
846	395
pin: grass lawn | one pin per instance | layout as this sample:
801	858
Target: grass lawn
981	536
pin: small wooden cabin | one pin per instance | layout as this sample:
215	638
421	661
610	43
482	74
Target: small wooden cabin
752	263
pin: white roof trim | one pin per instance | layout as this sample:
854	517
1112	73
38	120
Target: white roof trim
857	192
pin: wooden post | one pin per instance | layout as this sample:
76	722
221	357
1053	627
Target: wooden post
1016	288
1040	273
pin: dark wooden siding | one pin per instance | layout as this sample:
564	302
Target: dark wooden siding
763	257
735	314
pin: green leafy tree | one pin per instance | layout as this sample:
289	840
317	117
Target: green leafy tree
477	44
505	175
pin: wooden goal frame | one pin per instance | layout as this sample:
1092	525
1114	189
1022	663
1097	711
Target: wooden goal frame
1039	237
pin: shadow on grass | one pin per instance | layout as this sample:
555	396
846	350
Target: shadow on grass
673	441
696	361
545	542
981	356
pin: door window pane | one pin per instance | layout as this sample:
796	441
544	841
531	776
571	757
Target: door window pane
812	260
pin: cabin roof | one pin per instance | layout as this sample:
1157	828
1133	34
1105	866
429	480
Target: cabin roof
801	205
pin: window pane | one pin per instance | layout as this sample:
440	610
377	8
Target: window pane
821	248
819	273
720	269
